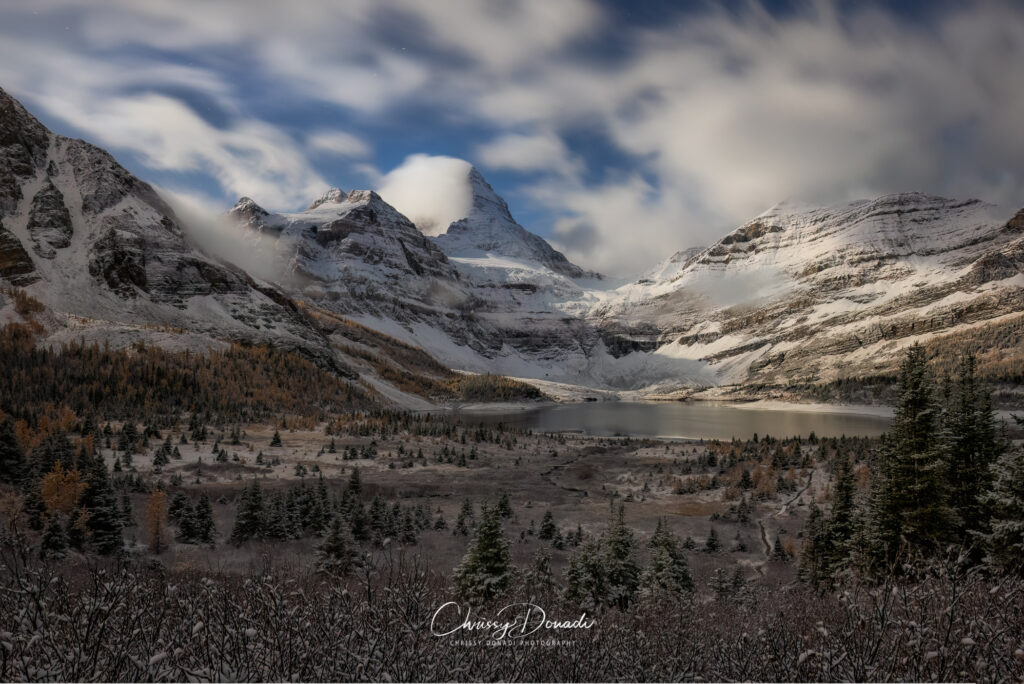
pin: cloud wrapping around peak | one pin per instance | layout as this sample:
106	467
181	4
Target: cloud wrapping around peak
432	191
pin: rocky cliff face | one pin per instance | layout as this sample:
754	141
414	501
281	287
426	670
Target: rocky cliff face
815	294
354	254
796	295
490	230
95	243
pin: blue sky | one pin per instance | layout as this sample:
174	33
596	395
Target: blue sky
620	131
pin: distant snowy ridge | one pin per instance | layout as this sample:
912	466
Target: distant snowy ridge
796	296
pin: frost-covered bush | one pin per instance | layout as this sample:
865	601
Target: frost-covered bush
90	620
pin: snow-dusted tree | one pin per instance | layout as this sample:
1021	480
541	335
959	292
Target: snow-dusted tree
539	576
972	445
667	571
779	551
465	521
249	521
486	570
1004	543
504	505
128	440
203	527
339	553
548	529
585	576
910	493
623	571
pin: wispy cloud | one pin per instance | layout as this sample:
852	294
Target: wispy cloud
703	121
537	152
339	143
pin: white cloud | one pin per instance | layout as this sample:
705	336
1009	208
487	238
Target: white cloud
204	221
339	143
246	156
537	152
432	191
621	227
713	115
726	114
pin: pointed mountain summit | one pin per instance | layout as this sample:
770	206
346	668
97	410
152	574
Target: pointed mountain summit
490	229
332	196
353	253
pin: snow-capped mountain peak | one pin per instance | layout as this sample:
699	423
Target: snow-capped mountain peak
332	196
490	230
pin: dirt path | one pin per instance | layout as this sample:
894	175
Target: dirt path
785	505
764	540
546	476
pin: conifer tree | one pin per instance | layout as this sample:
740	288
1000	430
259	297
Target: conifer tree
504	505
1004	543
778	551
830	539
812	567
355	486
276	521
12	458
178	508
974	444
338	555
249	521
202	521
486	569
911	500
548	529
841	520
539	576
465	521
713	543
129	438
127	517
667	571
586	574
408	533
275	441
99	501
623	572
55	537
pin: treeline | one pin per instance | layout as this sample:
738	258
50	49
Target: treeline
384	423
944	476
488	387
457	386
241	384
346	519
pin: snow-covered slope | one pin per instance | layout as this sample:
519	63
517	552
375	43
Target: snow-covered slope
101	248
796	295
486	296
490	231
810	294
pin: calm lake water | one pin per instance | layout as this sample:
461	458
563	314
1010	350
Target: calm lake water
682	420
